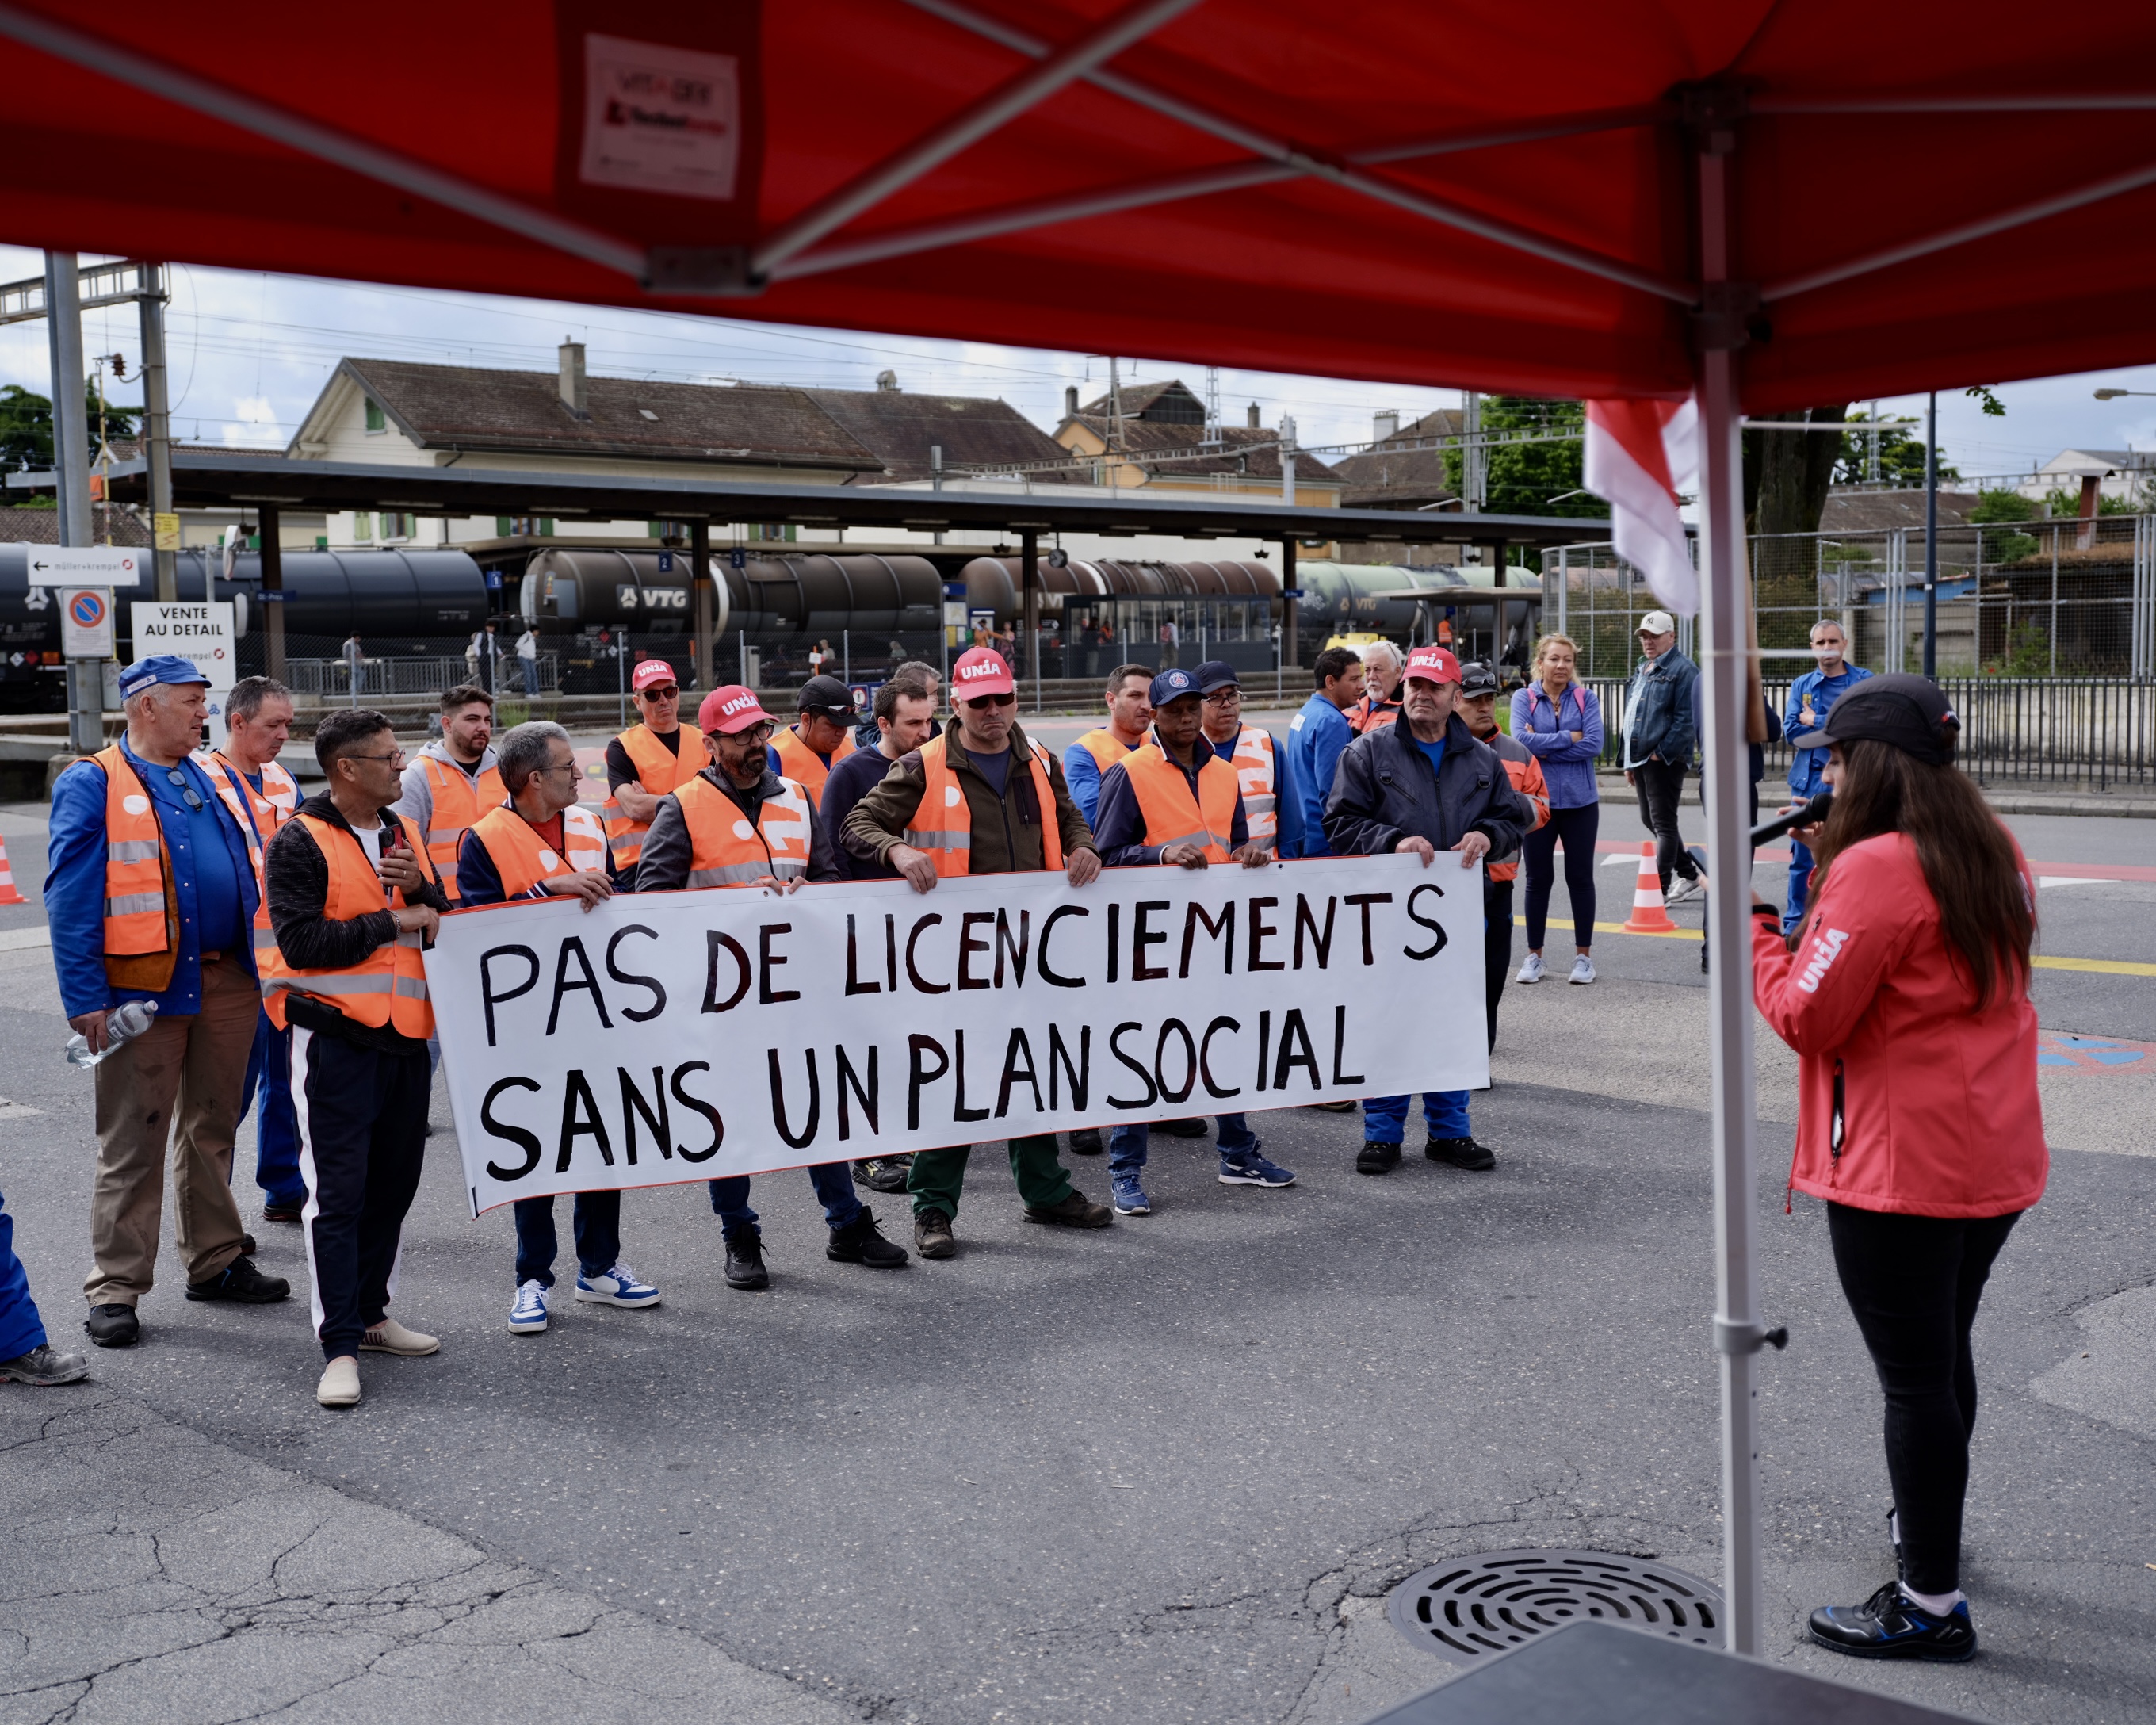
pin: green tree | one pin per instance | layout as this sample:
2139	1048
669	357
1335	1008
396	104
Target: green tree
2002	506
1532	478
26	426
1901	458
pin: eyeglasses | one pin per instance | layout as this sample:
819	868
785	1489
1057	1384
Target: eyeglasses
189	794
395	755
1221	697
566	767
993	700
756	736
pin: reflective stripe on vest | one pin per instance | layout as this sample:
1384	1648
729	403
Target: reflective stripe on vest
135	903
659	772
457	803
724	850
388	986
806	769
1255	776
942	825
1171	817
523	859
250	813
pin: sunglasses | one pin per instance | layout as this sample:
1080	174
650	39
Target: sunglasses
993	700
189	794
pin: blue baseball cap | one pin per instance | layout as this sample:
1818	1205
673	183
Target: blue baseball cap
159	667
1171	685
1216	674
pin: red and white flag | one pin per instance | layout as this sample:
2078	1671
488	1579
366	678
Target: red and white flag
1639	455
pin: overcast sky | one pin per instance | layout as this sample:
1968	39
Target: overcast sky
249	353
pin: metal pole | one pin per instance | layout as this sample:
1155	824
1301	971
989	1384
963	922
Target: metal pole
1724	659
1028	587
85	677
744	659
1931	537
703	595
846	654
1290	651
621	675
273	581
157	430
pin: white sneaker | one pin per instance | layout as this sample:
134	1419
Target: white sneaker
1582	969
527	1315
1681	888
1531	971
390	1337
339	1384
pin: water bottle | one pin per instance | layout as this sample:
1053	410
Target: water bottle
129	1022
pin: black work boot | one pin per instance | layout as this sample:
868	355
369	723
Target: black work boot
1074	1210
932	1234
1086	1142
860	1242
1461	1153
745	1261
243	1282
882	1174
112	1326
1376	1159
1191	1128
1890	1625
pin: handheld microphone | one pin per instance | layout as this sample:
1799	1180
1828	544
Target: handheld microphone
1810	815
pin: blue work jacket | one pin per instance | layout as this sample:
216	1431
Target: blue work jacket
1807	753
1316	738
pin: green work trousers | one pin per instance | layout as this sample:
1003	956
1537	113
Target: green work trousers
937	1174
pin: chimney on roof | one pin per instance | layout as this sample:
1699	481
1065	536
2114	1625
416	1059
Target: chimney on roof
574	395
1385	425
887	380
1253	421
1070	401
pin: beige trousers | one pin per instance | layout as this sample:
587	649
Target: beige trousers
188	1071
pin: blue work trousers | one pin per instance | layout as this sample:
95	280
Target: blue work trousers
1444	1112
21	1329
834	1182
277	1127
1127	1144
596	1221
1800	886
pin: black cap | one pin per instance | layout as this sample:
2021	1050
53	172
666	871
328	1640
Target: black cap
826	696
1216	674
1476	677
1908	711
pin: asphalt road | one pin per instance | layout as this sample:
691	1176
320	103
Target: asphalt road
1163	1472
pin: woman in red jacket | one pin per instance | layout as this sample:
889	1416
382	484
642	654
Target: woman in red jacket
1905	991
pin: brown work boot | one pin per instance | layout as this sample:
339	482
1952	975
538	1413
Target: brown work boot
1073	1210
932	1234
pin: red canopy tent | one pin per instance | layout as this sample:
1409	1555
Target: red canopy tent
1766	206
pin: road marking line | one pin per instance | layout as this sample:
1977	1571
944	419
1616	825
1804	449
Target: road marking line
2102	966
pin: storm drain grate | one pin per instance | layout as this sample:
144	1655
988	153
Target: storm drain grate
1470	1607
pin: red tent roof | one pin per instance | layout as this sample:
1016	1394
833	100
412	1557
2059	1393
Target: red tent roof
1498	196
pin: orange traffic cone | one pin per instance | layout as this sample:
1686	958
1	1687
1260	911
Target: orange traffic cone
1649	916
8	895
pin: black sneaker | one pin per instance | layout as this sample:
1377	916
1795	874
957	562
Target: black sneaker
112	1326
280	1213
1376	1159
243	1283
1461	1153
1890	1625
860	1242
1086	1142
882	1174
1183	1129
745	1261
44	1367
932	1234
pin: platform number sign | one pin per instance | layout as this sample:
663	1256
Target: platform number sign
86	623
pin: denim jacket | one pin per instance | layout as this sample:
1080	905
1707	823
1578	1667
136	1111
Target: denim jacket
1658	710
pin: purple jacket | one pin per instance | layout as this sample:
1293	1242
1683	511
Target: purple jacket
1567	767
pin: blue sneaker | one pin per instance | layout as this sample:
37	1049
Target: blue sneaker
527	1316
1129	1197
1248	1167
1890	1625
619	1286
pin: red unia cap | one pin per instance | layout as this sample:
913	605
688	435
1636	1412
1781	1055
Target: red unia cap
730	709
980	670
1432	664
652	671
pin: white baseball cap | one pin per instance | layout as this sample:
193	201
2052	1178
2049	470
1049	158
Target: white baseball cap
1656	623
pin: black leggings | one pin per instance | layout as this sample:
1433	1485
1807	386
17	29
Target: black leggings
1913	1283
1577	828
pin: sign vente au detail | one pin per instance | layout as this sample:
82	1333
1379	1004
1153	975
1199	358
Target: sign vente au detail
677	1036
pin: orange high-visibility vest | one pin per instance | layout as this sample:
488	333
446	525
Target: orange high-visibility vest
458	802
724	850
523	859
1171	817
1257	776
1105	747
659	772
1526	773
943	826
389	985
142	901
806	769
257	814
1371	714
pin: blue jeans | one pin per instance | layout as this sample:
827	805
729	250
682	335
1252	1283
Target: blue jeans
596	1219
1444	1112
1127	1144
21	1329
1800	886
277	1131
834	1182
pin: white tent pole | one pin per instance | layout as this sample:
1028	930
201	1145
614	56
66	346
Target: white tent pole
1723	658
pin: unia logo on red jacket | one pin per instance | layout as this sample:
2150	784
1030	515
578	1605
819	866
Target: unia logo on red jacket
1825	949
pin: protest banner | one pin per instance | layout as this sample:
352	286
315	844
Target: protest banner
682	1035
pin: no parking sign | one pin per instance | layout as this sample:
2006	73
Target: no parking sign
86	622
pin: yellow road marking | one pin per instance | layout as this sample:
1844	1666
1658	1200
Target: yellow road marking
2102	967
